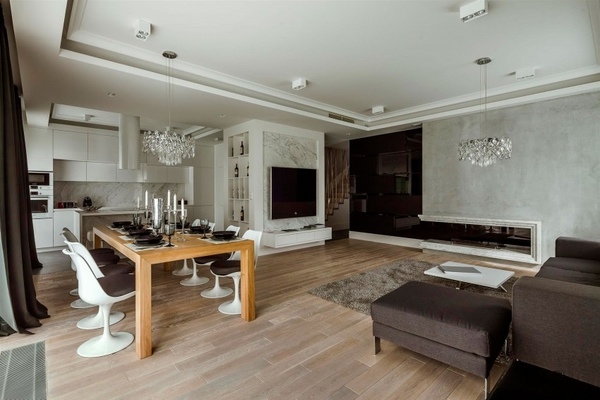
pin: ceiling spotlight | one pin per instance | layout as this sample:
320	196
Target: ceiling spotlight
143	30
298	84
87	117
377	110
111	94
473	10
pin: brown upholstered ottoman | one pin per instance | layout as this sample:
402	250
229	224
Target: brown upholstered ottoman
462	329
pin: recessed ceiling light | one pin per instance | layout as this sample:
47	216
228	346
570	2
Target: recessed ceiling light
111	94
222	115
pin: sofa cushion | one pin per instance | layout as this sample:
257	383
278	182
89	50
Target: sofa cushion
574	264
470	322
568	275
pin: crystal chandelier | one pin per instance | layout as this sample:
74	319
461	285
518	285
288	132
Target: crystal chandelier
484	151
169	146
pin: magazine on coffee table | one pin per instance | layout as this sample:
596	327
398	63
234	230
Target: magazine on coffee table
460	269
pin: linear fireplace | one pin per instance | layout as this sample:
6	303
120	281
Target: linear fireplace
511	240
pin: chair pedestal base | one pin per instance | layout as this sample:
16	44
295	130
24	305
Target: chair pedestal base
74	292
97	322
216	292
104	345
185	270
195	280
81	304
233	307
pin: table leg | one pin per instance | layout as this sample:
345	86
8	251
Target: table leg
143	309
247	283
97	242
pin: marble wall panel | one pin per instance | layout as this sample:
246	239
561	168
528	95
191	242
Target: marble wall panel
282	150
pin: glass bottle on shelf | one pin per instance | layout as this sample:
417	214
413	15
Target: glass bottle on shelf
248	169
242	148
242	214
236	171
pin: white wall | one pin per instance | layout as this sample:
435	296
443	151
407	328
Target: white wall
552	177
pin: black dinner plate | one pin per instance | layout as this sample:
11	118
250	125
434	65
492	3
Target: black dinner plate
121	224
138	232
149	244
148	239
223	235
132	227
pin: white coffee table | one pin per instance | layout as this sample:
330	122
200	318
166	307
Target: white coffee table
489	277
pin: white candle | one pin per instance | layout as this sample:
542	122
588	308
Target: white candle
146	200
181	206
138	202
175	202
169	199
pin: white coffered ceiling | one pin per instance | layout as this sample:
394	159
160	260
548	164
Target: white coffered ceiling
236	60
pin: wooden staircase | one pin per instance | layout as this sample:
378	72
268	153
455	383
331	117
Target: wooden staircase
337	182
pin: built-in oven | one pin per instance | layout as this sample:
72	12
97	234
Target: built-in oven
42	206
40	178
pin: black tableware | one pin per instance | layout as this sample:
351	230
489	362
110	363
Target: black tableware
223	235
121	224
145	240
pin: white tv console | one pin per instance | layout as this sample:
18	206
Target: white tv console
279	239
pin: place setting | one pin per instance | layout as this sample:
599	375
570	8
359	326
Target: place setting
152	236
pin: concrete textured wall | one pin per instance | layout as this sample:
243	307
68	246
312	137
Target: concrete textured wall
552	177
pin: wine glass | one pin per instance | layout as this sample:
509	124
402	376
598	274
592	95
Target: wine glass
169	231
204	226
182	218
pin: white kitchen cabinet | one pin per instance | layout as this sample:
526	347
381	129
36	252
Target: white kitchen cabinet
43	232
129	175
103	148
101	172
71	171
70	145
154	173
177	174
65	219
38	142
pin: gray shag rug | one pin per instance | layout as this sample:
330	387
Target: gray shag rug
359	291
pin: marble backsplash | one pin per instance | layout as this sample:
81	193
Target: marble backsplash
113	194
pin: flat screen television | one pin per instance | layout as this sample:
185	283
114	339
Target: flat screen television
293	192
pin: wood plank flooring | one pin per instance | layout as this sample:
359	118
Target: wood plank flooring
299	347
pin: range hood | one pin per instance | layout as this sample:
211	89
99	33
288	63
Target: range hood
129	142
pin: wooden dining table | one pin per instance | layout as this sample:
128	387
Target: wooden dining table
191	248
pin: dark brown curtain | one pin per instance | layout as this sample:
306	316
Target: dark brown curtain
18	244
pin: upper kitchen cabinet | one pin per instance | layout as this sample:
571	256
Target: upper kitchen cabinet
38	142
103	148
70	145
70	171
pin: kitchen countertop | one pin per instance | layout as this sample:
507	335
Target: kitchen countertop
102	211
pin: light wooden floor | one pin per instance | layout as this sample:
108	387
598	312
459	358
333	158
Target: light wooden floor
299	347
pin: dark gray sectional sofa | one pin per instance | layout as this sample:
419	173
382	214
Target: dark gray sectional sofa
556	327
